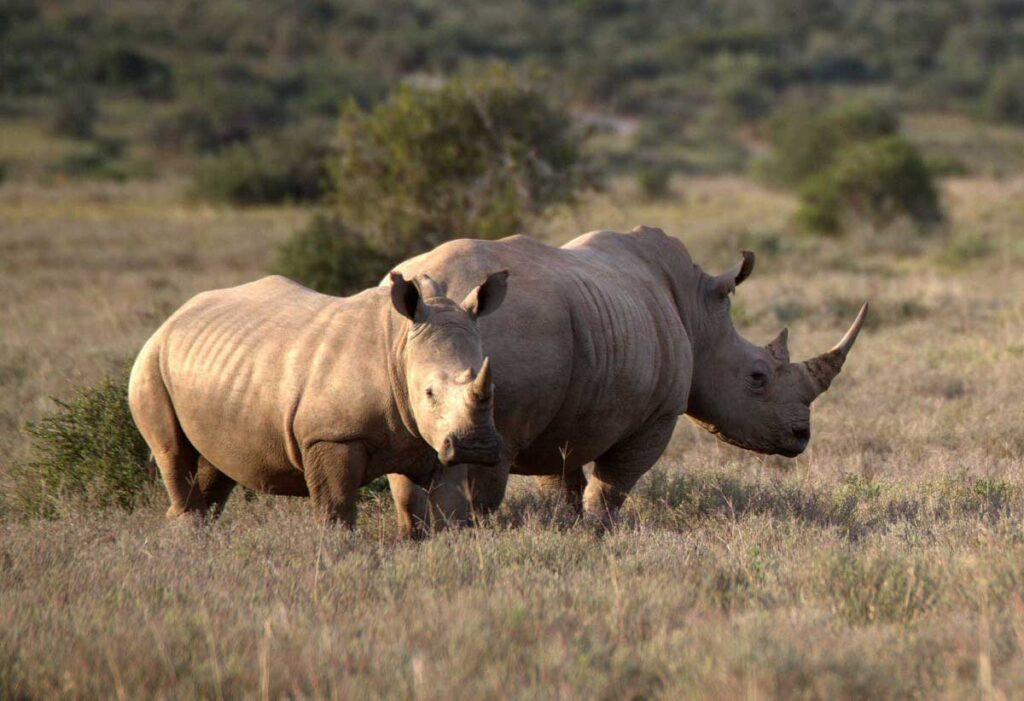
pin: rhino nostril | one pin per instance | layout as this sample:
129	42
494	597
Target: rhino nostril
802	433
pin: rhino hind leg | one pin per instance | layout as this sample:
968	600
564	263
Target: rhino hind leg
619	468
568	485
334	474
214	487
178	465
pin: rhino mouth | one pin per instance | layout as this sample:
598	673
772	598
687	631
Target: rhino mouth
455	451
797	444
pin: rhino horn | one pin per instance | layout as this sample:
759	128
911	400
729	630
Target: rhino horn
482	388
824	368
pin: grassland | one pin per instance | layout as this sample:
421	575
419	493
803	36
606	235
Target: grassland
886	562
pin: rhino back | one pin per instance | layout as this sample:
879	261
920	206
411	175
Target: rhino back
256	371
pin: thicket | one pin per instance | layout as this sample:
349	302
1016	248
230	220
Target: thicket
475	156
288	167
478	155
87	449
227	71
331	257
849	165
875	183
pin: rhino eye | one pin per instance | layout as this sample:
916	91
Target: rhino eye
758	379
430	393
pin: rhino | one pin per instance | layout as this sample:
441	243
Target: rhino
288	391
607	341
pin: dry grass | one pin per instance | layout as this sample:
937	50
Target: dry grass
884	563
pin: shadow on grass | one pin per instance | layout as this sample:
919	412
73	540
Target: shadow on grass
853	505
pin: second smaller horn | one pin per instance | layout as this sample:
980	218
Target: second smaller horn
482	387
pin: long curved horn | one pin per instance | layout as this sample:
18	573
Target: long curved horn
824	368
482	384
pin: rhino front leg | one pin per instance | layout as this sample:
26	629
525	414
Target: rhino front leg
411	506
449	503
618	470
334	474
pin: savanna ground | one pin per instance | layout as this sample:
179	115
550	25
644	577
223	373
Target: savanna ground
887	561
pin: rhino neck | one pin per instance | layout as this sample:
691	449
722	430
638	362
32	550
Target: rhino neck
395	342
683	279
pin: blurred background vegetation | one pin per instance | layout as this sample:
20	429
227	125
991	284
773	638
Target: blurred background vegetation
244	98
138	88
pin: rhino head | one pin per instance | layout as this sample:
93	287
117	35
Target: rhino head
753	396
448	381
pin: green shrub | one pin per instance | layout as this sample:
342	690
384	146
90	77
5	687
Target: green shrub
101	159
476	156
330	257
744	97
875	182
88	448
805	142
655	182
1004	99
136	70
291	167
215	114
75	115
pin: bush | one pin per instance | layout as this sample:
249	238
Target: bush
806	142
476	156
875	182
88	448
75	115
132	69
101	159
330	257
286	168
216	114
1004	99
655	182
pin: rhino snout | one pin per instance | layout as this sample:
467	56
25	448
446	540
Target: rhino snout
800	438
484	450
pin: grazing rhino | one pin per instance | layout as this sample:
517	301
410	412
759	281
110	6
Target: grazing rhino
285	390
607	340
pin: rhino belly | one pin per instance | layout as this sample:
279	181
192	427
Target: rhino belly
243	434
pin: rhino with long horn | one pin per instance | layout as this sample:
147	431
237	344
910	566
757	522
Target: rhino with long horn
607	341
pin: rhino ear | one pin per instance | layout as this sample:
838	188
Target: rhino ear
405	297
484	299
724	284
779	347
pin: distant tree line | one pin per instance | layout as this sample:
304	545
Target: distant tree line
232	69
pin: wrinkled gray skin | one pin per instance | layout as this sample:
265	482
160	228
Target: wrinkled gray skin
605	342
284	390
